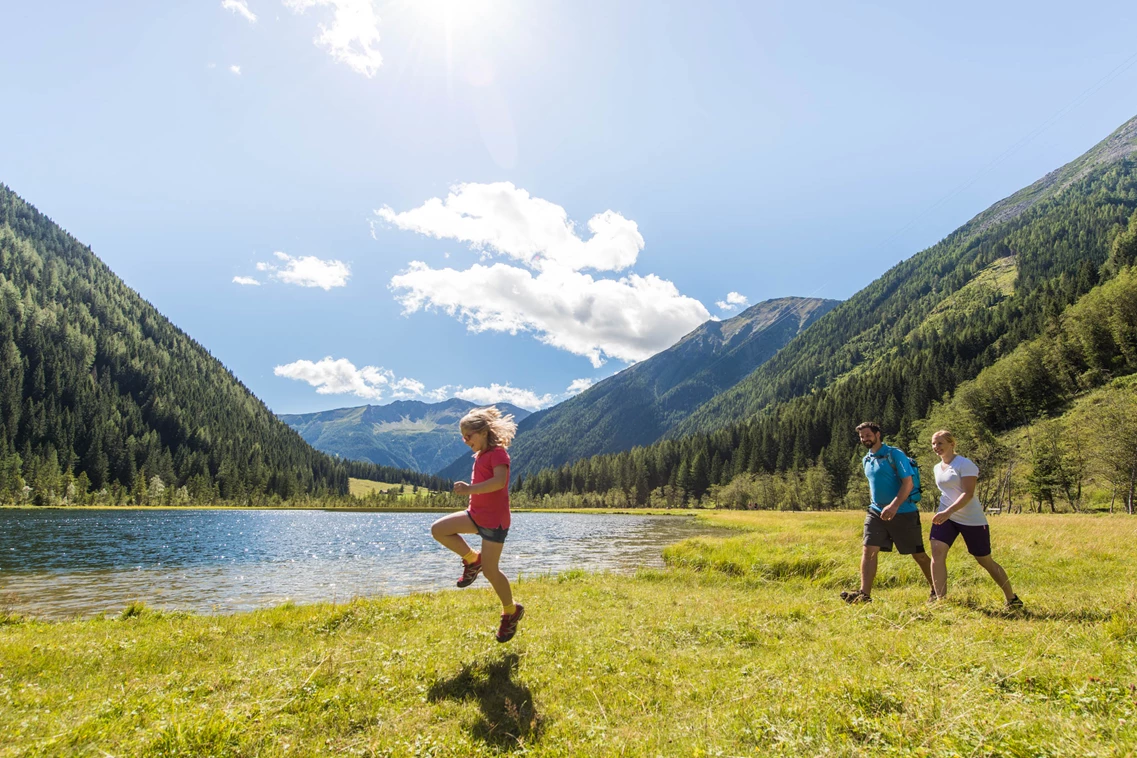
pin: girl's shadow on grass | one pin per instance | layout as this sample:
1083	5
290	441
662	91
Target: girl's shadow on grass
509	720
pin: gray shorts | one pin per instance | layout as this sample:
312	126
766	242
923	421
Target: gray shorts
493	535
903	531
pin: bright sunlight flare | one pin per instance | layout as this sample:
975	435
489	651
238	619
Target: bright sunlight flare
455	15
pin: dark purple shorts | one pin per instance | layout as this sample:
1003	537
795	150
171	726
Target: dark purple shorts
977	538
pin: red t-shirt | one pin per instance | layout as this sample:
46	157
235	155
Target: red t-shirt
490	509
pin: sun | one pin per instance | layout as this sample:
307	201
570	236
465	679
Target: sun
463	36
455	15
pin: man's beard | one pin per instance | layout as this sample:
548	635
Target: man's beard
868	443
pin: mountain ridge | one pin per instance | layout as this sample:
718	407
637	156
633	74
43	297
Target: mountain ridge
1119	144
797	369
639	404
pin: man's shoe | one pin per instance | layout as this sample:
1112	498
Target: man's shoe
508	626
933	598
855	596
1015	605
470	572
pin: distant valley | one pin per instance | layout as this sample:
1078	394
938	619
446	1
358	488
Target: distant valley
405	434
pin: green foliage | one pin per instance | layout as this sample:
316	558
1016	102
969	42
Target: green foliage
1093	341
101	396
1113	423
1123	251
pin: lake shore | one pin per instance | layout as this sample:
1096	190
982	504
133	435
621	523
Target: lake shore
360	509
739	646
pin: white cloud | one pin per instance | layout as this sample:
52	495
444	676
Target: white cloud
504	393
630	318
733	301
246	280
578	386
235	69
307	271
341	377
353	35
241	8
506	219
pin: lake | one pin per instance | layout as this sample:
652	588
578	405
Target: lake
57	563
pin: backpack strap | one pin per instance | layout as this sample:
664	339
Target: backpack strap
896	470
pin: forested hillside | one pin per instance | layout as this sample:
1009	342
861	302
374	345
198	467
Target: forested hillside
1057	231
643	402
406	434
913	336
102	398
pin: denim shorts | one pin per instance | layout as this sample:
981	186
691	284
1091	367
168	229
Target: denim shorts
493	535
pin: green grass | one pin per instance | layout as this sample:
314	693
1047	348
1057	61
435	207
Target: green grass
364	487
991	285
739	647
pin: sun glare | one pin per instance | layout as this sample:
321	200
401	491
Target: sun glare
455	15
463	36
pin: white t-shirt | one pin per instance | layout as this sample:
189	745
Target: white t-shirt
949	479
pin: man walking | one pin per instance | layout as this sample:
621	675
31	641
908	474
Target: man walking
893	518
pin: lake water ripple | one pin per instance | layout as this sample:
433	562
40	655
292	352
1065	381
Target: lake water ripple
63	563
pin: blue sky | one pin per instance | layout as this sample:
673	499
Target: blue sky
438	197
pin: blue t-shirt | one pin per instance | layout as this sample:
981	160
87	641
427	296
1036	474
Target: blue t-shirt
884	478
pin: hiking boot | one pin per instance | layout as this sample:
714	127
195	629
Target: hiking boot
470	572
933	598
509	621
1014	604
855	596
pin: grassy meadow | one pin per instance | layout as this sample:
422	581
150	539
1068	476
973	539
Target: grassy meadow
364	487
739	647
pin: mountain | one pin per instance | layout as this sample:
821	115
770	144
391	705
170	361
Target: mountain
907	340
99	393
644	401
405	434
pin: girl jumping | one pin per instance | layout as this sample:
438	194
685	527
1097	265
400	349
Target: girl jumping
488	434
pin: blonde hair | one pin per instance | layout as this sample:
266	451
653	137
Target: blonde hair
947	436
501	429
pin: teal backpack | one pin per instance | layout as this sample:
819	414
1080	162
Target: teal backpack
916	493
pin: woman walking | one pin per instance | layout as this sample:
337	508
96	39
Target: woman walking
960	513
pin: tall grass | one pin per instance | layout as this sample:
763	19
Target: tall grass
739	647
